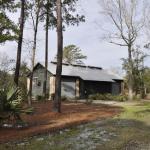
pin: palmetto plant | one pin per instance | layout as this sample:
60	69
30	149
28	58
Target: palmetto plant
11	104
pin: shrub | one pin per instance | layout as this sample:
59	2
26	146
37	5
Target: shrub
24	90
89	101
47	96
12	103
92	96
39	97
137	97
64	98
120	98
52	96
108	96
97	97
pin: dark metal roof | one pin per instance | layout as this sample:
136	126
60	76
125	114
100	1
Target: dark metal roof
89	73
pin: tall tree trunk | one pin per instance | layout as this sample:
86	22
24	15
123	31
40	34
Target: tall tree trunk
33	60
46	54
18	61
130	82
57	99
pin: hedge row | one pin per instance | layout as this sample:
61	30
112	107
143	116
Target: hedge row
110	97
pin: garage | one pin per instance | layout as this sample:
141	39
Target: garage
68	87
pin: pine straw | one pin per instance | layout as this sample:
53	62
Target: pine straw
44	120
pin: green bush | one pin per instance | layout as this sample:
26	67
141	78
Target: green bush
47	96
12	103
39	98
108	96
137	97
97	97
120	98
64	98
23	88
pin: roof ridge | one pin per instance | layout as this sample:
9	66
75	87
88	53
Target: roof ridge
78	65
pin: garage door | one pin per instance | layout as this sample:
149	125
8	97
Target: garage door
68	88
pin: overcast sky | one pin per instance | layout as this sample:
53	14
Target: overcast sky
87	36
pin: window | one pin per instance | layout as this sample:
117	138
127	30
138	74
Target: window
39	83
35	80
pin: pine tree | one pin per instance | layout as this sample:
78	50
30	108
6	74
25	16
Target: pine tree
8	29
20	40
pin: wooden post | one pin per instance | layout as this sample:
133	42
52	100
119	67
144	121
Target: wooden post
122	88
52	86
77	88
28	84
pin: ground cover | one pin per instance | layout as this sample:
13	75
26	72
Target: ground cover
44	120
129	130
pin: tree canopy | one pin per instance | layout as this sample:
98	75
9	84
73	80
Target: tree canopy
8	29
138	57
73	55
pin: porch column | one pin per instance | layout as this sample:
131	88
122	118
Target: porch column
28	84
52	86
77	88
122	88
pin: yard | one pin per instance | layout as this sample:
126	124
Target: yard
44	120
129	130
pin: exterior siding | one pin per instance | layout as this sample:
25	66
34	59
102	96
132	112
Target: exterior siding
68	88
117	87
68	84
38	82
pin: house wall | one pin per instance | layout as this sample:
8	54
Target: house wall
68	88
117	87
70	85
38	82
82	89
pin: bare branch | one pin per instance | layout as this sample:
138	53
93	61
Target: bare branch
118	43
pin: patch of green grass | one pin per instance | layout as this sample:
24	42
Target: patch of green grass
132	127
140	112
52	142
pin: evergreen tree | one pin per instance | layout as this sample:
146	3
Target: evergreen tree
57	100
20	41
73	55
8	29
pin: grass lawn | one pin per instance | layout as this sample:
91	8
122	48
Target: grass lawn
132	127
128	131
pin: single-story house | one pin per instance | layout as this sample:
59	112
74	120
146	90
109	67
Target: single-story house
78	81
